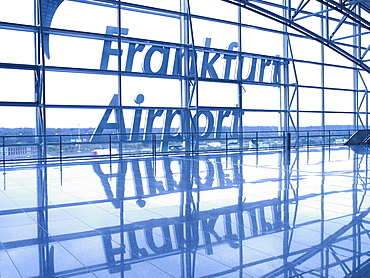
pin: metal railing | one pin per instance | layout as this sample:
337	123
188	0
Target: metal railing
59	147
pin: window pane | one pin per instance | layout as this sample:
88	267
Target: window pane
17	85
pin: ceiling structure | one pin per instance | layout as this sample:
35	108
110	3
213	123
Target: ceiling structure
296	15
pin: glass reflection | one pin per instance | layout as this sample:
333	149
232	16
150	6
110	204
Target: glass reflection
190	216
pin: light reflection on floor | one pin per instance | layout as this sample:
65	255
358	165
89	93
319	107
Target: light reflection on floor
216	215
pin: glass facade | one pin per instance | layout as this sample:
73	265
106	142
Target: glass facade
277	66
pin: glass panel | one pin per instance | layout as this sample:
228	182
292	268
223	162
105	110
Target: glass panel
218	94
17	85
310	121
261	97
259	42
310	99
214	9
80	89
308	74
20	11
151	26
254	19
156	92
336	77
14	117
16	47
94	16
339	120
253	121
221	35
332	57
164	4
336	100
300	48
73	118
77	52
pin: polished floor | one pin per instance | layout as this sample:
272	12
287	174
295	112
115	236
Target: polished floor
252	214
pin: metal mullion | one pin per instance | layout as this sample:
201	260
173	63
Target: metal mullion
322	63
292	98
241	88
324	33
301	29
357	53
194	59
365	52
361	102
291	119
295	93
317	13
308	14
106	37
326	88
359	119
18	27
40	86
338	26
345	11
351	36
132	7
300	7
366	96
18	66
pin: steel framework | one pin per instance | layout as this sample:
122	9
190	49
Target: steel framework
343	28
334	17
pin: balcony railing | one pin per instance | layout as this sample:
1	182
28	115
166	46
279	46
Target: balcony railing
72	146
